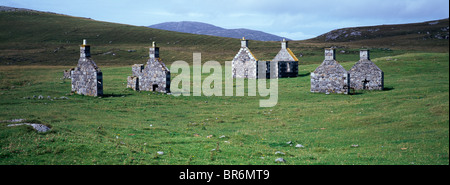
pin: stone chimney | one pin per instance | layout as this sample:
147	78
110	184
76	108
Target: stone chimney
330	54
154	51
284	44
244	43
85	50
364	54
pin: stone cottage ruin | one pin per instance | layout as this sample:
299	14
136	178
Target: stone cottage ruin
86	77
246	65
330	76
154	76
365	74
286	62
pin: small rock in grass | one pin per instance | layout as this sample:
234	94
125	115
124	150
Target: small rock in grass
13	120
280	160
37	127
40	127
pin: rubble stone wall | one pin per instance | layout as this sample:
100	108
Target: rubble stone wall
330	76
244	65
154	76
87	79
365	74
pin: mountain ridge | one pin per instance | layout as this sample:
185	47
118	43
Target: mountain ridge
212	30
434	29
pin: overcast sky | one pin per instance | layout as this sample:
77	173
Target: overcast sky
293	19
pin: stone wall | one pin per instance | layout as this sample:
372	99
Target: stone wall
287	62
287	69
87	79
265	68
133	82
154	76
244	64
285	54
67	74
330	76
137	69
365	74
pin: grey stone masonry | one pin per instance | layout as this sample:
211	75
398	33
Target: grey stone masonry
137	69
244	64
133	83
285	54
286	62
87	79
365	74
67	74
154	76
287	69
330	76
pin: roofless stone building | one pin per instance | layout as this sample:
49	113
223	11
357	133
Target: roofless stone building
365	74
330	76
287	62
246	65
154	76
87	77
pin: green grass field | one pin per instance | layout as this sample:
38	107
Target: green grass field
406	124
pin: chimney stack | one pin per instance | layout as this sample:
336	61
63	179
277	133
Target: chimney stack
154	51
330	54
364	54
244	43
284	44
85	50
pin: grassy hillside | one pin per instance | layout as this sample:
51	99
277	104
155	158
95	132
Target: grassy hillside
43	38
433	35
38	38
406	124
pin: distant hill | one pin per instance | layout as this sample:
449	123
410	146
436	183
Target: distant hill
437	29
209	29
12	9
